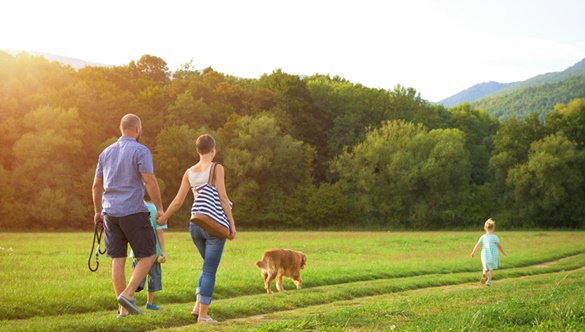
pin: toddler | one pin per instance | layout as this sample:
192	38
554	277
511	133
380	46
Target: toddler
490	258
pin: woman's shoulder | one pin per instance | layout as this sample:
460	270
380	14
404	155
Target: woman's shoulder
197	175
199	168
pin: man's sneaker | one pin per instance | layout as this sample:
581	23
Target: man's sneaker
152	307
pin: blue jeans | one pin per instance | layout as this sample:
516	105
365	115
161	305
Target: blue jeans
210	248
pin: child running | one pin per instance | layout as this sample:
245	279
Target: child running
490	258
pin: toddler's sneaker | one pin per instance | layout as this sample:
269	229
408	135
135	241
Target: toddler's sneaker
152	307
482	280
488	283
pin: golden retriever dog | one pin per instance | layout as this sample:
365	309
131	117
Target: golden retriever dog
277	263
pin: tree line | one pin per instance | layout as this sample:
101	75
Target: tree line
316	152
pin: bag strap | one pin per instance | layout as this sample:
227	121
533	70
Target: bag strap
211	181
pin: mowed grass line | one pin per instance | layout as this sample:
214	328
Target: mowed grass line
546	302
71	298
366	305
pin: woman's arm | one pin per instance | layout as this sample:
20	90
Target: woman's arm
223	197
177	201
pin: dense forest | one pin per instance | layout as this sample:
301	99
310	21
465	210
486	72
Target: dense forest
316	152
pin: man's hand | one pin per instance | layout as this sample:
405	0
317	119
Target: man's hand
98	219
159	218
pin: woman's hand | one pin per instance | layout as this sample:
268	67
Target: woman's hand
232	233
162	220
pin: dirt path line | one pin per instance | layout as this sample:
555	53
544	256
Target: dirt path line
547	264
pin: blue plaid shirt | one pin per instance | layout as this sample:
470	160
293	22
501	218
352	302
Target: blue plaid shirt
120	165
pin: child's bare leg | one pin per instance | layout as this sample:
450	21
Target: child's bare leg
489	275
150	297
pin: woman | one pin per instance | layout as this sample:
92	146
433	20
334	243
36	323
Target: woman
210	247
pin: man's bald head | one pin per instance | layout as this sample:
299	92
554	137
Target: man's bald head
130	121
131	125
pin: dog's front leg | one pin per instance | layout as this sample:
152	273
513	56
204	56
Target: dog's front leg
298	282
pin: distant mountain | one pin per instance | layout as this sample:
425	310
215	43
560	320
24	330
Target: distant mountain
578	65
539	99
574	71
493	89
75	63
474	93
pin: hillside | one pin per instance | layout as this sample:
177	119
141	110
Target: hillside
73	62
494	89
533	99
574	71
474	93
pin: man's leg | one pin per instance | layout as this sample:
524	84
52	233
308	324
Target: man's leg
138	274
116	247
139	232
142	239
119	280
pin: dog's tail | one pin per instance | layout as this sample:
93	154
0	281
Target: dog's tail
260	264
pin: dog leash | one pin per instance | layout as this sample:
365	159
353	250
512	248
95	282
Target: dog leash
97	238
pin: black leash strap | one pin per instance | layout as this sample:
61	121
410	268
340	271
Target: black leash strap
97	238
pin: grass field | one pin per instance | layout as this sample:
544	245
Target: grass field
353	281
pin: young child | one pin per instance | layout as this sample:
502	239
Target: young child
155	274
490	258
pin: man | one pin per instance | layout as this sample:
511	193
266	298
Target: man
124	170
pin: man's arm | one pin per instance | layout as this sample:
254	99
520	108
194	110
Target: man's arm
97	193
154	192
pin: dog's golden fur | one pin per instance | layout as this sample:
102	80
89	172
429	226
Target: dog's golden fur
276	263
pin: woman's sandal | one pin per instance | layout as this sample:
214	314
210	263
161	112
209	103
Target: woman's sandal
207	320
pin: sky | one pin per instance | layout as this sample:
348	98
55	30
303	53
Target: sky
438	47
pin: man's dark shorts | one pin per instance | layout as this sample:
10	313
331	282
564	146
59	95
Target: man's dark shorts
134	229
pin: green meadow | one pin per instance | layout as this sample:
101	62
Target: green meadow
353	281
